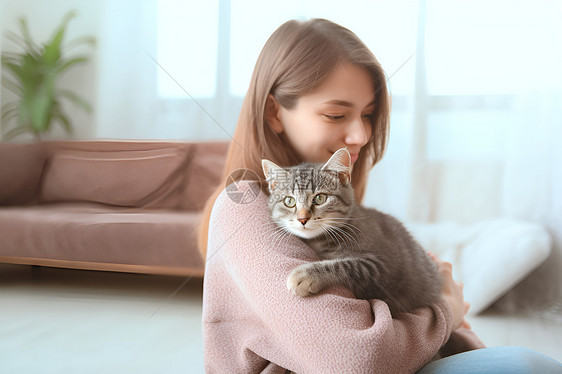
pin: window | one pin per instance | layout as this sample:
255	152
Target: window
187	49
488	48
207	52
461	67
188	37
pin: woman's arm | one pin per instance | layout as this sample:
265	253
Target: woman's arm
247	267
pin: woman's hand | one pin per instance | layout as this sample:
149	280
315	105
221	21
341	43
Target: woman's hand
451	291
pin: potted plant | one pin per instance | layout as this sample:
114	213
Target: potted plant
32	75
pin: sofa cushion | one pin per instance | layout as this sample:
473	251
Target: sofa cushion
101	233
123	178
205	168
20	169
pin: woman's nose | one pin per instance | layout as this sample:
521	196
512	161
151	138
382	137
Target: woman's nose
358	132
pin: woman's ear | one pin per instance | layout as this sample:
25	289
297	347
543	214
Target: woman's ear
272	115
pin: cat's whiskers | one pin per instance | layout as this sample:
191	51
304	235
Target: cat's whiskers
332	235
277	234
354	232
344	222
272	231
345	230
350	238
342	218
341	234
334	231
282	235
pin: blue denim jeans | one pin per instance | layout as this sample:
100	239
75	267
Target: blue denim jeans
512	360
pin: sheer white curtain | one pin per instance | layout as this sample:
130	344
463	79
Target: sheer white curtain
482	136
127	100
476	129
486	85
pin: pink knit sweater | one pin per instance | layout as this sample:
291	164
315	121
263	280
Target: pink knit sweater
253	324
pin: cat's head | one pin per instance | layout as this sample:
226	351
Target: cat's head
309	198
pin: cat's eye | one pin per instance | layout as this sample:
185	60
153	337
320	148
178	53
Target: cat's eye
320	198
290	202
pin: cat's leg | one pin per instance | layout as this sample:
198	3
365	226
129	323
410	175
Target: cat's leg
358	274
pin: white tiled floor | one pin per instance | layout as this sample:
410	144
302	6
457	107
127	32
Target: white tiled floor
66	321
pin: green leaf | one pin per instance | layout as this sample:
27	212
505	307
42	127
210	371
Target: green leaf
58	114
15	69
9	111
26	35
8	106
17	131
69	63
79	41
24	117
40	106
66	19
11	58
16	39
52	51
8	118
75	99
7	58
12	86
20	42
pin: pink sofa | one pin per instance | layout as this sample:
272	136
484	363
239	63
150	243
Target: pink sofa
131	206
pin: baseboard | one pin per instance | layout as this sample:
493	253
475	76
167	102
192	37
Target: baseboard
102	266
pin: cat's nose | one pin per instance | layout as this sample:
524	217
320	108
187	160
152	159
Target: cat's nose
303	220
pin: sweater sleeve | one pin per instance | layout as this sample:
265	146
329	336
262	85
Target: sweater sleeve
248	307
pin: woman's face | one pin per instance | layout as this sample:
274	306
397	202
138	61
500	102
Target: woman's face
335	115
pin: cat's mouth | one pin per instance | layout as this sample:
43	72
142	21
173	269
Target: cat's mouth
307	231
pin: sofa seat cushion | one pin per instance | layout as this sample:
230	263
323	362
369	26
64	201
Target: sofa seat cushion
97	233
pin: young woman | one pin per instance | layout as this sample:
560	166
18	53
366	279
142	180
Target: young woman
315	88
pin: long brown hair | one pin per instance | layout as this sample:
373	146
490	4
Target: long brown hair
295	60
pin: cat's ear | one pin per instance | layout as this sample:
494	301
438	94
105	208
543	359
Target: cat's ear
340	162
274	174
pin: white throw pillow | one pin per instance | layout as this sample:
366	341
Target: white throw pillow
488	257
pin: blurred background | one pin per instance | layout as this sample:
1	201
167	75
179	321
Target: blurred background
476	127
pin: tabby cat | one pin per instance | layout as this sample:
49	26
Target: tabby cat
359	248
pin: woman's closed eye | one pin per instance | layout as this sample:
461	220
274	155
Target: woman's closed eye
335	117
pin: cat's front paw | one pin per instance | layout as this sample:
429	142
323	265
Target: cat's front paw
302	282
